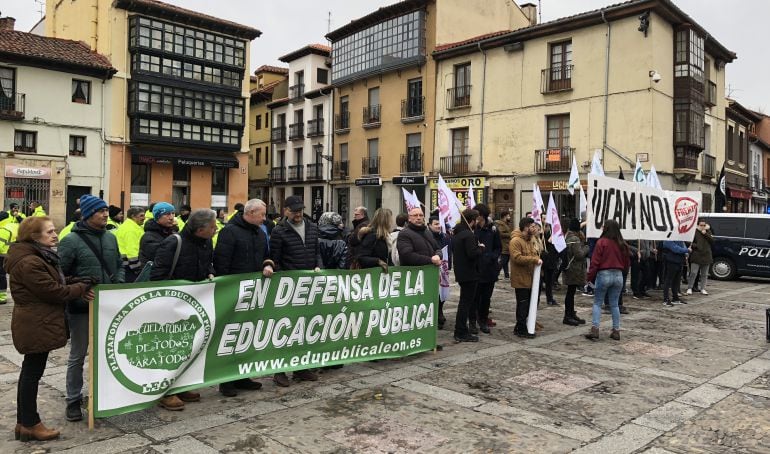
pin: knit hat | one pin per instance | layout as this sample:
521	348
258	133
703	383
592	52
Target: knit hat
114	211
162	208
330	218
90	204
574	225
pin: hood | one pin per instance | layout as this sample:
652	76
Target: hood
517	234
329	231
81	226
359	221
17	252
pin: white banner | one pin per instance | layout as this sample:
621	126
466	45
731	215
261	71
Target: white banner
643	212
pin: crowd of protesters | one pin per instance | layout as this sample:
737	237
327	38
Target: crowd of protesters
51	276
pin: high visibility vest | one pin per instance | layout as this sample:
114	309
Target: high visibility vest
66	230
112	223
129	235
39	211
179	223
7	236
147	216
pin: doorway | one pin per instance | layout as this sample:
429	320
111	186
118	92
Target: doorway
180	186
73	195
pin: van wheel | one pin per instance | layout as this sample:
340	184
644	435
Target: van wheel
723	269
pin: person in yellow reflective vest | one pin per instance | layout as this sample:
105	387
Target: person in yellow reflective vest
238	208
148	212
129	236
68	228
7	236
12	215
115	219
37	209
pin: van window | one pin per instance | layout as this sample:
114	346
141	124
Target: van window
733	227
758	229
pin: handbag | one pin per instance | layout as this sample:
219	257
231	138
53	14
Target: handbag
144	275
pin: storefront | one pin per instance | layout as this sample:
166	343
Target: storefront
42	181
460	187
567	204
411	184
737	200
371	192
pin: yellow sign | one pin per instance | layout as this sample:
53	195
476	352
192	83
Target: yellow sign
460	182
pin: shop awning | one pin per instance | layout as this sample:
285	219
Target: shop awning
739	193
184	158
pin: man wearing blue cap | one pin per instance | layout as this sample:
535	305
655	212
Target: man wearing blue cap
157	229
88	254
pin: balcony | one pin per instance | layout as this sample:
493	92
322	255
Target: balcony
12	107
297	92
411	162
277	174
709	166
686	160
340	170
554	160
556	78
315	127
454	165
296	172
412	109
278	135
370	166
711	94
372	116
458	97
342	122
296	131
315	172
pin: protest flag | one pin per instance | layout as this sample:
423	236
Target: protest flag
574	178
720	193
448	203
620	175
410	200
470	201
537	204
652	179
639	176
552	217
583	202
596	164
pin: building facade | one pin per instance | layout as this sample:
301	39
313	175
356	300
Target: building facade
178	104
737	163
301	131
760	141
385	87
637	81
52	114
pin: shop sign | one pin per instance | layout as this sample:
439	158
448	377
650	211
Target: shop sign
139	199
460	188
218	201
558	185
373	181
406	180
40	173
460	183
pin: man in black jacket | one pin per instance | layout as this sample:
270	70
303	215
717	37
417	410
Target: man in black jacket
242	248
156	230
467	252
489	268
360	220
294	246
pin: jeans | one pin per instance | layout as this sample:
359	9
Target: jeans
608	283
523	296
672	282
78	324
32	369
569	300
695	270
483	300
466	306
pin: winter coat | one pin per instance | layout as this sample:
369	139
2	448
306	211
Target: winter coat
701	248
78	260
576	267
353	239
467	254
524	257
505	231
194	263
549	256
607	255
287	250
333	249
241	248
489	266
416	246
40	295
371	250
154	234
674	252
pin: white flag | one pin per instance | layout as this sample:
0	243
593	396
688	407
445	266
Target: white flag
574	178
552	217
470	201
639	176
537	204
410	200
448	203
596	164
652	179
583	202
443	277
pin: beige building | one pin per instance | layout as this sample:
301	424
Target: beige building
267	83
638	80
385	86
178	104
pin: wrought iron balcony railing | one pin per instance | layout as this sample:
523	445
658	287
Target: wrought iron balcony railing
455	165
556	78
554	160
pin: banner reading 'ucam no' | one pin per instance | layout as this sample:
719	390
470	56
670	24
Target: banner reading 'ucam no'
157	338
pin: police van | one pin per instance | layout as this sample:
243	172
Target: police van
741	244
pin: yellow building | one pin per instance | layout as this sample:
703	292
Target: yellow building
638	80
382	74
178	104
267	83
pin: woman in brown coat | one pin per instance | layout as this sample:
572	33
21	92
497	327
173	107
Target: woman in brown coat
37	325
525	256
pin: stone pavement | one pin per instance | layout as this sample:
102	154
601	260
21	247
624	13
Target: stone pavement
692	378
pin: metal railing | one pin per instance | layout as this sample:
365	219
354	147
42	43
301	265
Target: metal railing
413	108
454	165
556	78
296	172
372	115
342	121
340	170
277	174
296	92
411	162
12	107
370	166
709	166
554	160
296	131
315	171
278	134
458	97
315	127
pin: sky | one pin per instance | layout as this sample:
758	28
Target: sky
288	25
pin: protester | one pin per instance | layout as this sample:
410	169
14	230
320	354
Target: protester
374	241
184	212
400	224
157	229
242	248
129	236
443	240
333	249
608	263
467	253
8	233
640	275
294	246
700	257
88	252
504	228
36	209
488	237
360	220
38	323
574	271
674	256
14	215
524	258
550	257
115	219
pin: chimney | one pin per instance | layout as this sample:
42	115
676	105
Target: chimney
7	23
530	11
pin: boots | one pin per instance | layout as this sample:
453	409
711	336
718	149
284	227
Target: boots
579	320
472	327
615	335
441	318
37	432
594	334
568	320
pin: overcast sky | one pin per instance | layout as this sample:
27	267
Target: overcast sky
290	24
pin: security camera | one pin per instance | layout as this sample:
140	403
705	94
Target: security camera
655	76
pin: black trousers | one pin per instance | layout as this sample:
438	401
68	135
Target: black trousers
569	300
465	307
483	299
650	276
522	308
504	259
637	280
549	275
3	282
32	369
672	281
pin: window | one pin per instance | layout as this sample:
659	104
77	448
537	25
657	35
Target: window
689	123
729	139
372	166
558	131
184	103
689	55
267	119
258	156
414	99
140	178
322	76
460	142
560	71
25	141
741	150
219	181
7	89
81	91
298	156
413	153
299	78
267	155
318	111
462	81
258	122
77	146
343	152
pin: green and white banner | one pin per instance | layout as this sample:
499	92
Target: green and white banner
155	338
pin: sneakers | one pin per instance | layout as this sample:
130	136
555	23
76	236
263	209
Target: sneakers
688	292
680	301
553	303
281	380
623	310
73	412
473	328
704	292
171	403
468	338
484	328
676	302
668	303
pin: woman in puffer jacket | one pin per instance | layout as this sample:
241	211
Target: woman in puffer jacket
333	248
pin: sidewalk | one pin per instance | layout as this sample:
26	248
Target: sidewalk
682	379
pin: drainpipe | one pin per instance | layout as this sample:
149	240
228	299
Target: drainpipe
330	157
483	87
606	85
104	147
